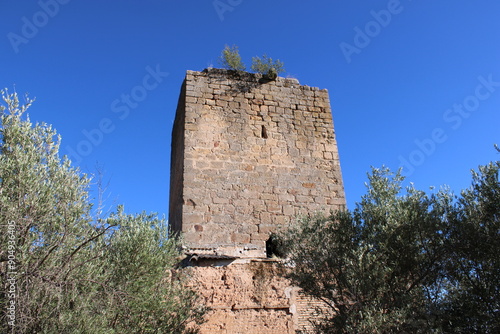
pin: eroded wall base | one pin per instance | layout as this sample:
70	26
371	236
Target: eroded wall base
251	321
247	296
251	296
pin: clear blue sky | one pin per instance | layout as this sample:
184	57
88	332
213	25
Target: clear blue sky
412	83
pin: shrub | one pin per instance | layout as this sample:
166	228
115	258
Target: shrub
230	59
65	272
267	66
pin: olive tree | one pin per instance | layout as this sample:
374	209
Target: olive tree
473	298
63	270
404	261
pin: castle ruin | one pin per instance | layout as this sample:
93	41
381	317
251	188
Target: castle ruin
249	155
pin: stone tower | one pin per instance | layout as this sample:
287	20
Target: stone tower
248	156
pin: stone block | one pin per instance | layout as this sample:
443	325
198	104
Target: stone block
220	200
193	218
266	228
288	210
240	238
262	237
279	220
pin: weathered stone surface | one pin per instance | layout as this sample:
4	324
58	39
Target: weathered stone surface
252	297
248	321
246	297
250	154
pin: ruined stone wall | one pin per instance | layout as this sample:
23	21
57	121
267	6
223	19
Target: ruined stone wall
254	155
252	296
247	297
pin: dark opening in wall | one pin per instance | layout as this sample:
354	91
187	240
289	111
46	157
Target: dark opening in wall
264	132
274	247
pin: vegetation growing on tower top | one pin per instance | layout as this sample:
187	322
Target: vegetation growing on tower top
230	59
270	69
267	66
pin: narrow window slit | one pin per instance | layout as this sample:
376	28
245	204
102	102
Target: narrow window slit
264	132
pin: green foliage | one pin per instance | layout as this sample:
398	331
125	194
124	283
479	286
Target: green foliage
405	262
267	66
67	272
230	59
147	292
474	269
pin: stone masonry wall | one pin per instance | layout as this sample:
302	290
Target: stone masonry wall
252	296
246	298
247	157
